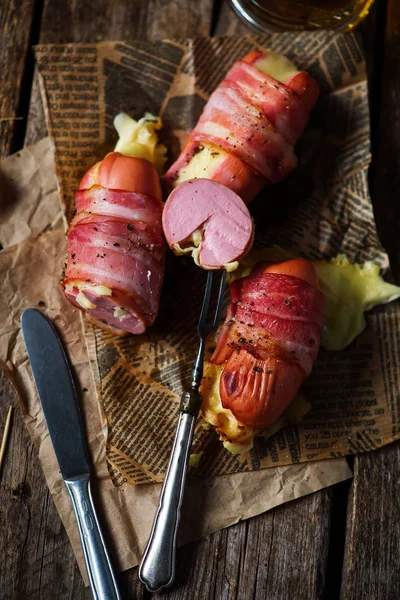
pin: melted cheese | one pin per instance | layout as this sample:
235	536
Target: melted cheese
194	459
140	139
83	301
119	313
101	290
277	66
203	164
84	286
193	246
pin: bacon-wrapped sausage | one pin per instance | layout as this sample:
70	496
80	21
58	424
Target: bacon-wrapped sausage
246	133
266	348
115	245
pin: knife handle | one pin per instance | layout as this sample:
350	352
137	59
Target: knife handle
100	572
157	569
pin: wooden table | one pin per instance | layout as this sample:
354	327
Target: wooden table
341	542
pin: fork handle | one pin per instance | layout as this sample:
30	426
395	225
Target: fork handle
157	569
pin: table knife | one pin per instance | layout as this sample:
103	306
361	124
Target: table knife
58	397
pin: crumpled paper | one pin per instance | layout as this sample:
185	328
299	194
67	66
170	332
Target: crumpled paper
28	194
31	272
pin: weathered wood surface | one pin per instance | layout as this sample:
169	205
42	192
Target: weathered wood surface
37	559
372	535
372	550
120	20
227	23
260	558
33	543
16	20
281	554
386	164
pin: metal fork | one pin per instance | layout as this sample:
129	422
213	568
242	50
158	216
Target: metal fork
157	569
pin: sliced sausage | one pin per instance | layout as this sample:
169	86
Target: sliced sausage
209	221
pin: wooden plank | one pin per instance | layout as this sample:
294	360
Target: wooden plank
228	23
33	543
386	166
259	559
36	128
119	20
16	18
372	537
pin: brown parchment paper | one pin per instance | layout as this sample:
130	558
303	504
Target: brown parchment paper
326	210
28	194
30	278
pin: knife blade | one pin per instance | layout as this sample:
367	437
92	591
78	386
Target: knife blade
58	396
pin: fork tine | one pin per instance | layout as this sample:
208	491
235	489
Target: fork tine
206	301
206	326
220	299
203	328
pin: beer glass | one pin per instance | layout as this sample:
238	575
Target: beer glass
292	15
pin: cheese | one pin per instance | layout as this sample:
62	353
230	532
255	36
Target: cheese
194	459
232	266
193	246
190	246
84	286
83	301
202	164
277	66
100	290
139	138
119	313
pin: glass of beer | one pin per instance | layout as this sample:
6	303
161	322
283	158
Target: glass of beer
298	15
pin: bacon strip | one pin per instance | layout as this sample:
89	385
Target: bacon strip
230	121
279	103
